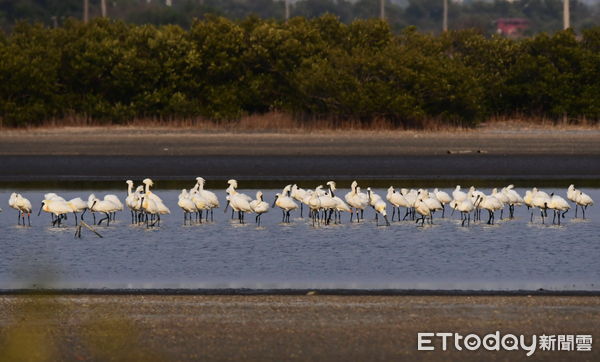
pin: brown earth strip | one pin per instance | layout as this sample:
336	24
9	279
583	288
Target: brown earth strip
280	328
116	153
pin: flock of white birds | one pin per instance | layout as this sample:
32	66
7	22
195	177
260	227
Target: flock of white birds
322	203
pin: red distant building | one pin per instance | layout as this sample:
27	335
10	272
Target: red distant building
512	27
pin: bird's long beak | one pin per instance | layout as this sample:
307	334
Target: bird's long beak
226	206
386	220
274	201
39	212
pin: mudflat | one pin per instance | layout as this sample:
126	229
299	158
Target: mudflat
282	327
135	141
117	152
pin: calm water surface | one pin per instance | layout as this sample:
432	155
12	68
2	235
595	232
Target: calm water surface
512	255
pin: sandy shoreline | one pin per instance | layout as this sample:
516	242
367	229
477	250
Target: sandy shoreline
116	153
275	328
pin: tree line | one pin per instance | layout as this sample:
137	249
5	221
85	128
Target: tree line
220	69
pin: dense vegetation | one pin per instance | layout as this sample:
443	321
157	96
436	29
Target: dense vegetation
221	69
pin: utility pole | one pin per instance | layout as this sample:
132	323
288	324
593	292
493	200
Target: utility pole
566	15
287	9
382	9
86	11
445	21
103	8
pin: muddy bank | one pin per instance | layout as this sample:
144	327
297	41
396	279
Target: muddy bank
277	328
118	153
123	141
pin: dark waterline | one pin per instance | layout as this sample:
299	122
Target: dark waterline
551	168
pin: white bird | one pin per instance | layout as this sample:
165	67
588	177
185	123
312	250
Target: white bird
259	206
558	205
432	203
162	209
133	200
443	198
115	200
474	195
285	203
12	201
411	198
187	205
397	200
200	203
210	197
539	199
422	209
458	194
149	207
77	205
23	206
572	194
357	200
340	205
103	206
57	207
314	204
378	204
232	189
503	198
53	196
238	202
147	193
465	207
298	194
328	204
583	200
514	199
491	204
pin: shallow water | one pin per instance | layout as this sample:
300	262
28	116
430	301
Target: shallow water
511	255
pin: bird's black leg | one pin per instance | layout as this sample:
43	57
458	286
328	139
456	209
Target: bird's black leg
542	213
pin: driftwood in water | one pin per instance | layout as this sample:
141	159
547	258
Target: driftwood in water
83	223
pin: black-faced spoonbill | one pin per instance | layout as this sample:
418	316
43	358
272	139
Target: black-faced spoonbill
103	206
57	207
422	209
285	203
187	205
209	196
584	200
432	203
379	205
298	194
340	206
77	205
259	206
357	200
491	204
514	199
558	205
443	198
22	205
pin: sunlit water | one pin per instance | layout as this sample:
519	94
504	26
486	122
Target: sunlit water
511	255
